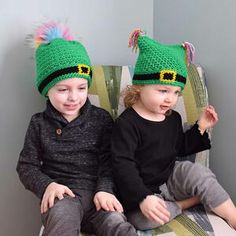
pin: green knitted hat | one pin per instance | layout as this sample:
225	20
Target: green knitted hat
58	57
158	63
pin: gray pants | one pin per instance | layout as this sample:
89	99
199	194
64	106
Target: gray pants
70	215
187	180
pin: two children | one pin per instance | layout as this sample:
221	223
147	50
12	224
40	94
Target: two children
148	137
65	160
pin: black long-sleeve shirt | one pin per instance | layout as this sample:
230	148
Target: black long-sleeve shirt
75	154
144	153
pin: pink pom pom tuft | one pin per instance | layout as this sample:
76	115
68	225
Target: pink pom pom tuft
133	39
50	31
190	52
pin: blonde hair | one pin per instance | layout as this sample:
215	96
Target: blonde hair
131	95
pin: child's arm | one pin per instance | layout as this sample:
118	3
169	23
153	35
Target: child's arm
208	119
30	173
54	190
129	182
29	163
104	198
107	201
105	180
196	139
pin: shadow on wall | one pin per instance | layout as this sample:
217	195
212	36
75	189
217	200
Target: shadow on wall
18	101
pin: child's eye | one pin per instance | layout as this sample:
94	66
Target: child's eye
162	90
62	89
82	88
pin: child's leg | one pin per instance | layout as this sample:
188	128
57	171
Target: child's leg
63	218
107	223
175	208
103	223
189	202
185	202
141	222
189	179
227	211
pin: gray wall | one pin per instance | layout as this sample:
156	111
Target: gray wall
103	26
210	26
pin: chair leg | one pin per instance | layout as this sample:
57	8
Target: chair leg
41	230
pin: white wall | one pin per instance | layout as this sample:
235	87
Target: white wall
103	26
210	26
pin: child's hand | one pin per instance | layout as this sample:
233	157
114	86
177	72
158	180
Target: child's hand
107	201
53	191
154	208
208	119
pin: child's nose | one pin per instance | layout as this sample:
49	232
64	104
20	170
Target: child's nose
73	95
168	98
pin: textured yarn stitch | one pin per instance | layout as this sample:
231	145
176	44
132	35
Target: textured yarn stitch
60	54
155	57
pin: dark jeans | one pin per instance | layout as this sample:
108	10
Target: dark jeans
70	215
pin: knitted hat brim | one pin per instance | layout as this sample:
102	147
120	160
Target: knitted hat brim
155	81
64	77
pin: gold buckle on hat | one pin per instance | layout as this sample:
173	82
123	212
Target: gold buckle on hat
83	69
168	75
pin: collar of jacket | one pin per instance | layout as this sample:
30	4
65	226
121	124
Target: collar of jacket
55	115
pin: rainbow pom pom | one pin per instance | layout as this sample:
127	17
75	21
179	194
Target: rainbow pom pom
133	39
50	31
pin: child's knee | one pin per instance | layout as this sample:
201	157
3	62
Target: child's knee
64	210
113	223
201	175
141	222
195	173
115	217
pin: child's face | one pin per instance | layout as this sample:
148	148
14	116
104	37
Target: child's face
68	96
159	99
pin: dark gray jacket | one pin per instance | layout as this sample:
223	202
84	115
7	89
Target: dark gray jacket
75	154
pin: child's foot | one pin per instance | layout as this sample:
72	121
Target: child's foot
232	223
227	211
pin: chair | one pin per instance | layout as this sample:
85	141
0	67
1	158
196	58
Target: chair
108	82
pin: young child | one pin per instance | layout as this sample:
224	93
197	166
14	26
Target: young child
148	136
65	160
